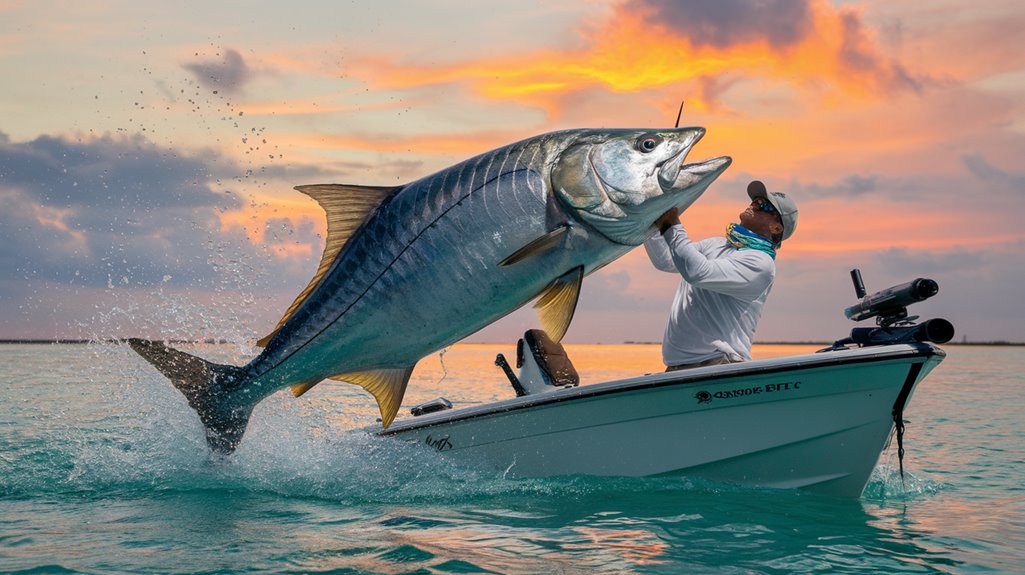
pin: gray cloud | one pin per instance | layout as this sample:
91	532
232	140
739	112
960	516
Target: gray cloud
230	73
851	185
120	211
979	167
120	215
979	291
727	22
779	23
108	172
855	55
994	186
712	88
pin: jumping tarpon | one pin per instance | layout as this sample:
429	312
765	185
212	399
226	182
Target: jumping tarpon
409	270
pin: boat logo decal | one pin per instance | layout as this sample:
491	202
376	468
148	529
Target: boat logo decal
439	443
707	397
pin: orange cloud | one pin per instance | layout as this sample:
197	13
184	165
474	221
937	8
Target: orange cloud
53	217
630	53
445	144
832	59
253	219
314	105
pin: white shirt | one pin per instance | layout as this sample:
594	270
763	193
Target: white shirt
718	304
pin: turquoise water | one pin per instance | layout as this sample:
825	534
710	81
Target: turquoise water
103	470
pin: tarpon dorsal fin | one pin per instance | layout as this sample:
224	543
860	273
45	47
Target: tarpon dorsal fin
347	207
558	302
538	246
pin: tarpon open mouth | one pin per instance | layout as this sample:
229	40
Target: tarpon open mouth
694	173
669	174
673	174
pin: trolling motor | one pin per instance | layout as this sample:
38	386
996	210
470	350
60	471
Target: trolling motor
890	308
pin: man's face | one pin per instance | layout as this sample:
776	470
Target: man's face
761	218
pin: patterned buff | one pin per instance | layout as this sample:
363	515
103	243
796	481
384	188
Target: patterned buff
744	239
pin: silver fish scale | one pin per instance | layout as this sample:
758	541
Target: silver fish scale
407	233
442	284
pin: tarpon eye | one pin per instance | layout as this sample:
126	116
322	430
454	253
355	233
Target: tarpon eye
648	142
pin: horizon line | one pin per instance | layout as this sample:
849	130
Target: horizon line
214	341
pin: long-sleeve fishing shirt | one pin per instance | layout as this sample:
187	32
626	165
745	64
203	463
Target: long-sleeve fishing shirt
718	304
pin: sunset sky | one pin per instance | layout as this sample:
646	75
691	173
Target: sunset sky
148	150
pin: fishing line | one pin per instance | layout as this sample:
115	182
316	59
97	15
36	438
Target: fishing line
444	370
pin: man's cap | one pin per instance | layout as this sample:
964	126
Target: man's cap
783	203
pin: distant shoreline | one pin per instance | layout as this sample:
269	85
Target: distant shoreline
111	340
30	341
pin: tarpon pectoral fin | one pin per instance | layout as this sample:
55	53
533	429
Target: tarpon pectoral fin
558	302
538	246
347	207
388	386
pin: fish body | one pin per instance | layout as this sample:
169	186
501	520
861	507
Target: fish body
412	269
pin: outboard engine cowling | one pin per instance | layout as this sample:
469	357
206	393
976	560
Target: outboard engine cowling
543	364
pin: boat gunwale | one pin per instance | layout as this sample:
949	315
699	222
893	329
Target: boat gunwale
688	377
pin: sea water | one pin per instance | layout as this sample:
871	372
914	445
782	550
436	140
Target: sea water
103	469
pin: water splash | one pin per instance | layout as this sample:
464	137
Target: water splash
887	482
133	431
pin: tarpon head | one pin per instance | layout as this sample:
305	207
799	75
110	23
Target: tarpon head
620	181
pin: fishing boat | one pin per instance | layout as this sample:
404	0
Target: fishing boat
817	421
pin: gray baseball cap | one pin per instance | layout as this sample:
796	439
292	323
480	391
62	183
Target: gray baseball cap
783	203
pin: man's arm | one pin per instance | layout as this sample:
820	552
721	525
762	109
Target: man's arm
658	252
745	274
657	248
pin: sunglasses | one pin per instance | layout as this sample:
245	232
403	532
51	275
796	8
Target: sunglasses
766	207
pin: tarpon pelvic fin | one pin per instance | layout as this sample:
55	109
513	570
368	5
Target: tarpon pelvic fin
205	385
558	302
386	385
347	207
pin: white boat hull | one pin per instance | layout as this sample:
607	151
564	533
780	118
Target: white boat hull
816	421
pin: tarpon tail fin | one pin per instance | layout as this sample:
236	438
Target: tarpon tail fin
207	386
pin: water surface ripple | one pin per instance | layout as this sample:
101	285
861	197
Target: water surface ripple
103	469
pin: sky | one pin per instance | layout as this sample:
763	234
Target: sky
148	151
